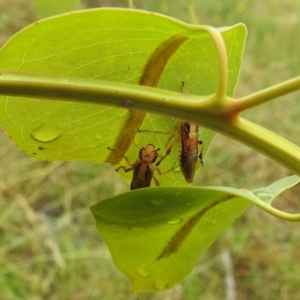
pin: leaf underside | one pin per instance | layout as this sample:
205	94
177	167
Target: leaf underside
116	45
157	235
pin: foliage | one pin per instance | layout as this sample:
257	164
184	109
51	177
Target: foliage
183	225
53	128
77	131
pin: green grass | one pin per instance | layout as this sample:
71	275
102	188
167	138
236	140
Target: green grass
48	242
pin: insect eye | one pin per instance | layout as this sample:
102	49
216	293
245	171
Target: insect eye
154	156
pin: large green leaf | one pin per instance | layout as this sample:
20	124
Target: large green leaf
157	235
117	45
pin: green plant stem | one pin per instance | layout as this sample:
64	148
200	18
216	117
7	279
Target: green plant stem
265	142
223	64
281	89
130	4
275	212
193	17
196	109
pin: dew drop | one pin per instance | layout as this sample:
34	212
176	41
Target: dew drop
177	194
142	271
160	285
174	221
46	133
158	201
264	196
99	137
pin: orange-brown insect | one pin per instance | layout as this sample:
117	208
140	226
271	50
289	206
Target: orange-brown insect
188	147
188	151
144	167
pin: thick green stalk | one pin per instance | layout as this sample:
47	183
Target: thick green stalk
193	17
223	64
204	111
268	94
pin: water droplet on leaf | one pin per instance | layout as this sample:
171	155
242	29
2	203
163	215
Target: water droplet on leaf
158	201
178	194
99	137
142	271
174	222
161	285
264	196
46	133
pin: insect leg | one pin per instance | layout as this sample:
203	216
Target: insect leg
161	132
201	152
156	181
164	156
125	169
126	158
166	172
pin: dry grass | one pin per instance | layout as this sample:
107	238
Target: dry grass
48	243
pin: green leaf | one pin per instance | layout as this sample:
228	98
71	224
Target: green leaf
116	45
157	235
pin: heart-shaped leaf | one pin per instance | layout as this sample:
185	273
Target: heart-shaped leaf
116	45
157	235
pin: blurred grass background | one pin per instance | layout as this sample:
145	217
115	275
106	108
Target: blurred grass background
49	248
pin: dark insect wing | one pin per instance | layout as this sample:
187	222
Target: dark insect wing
189	149
144	167
142	176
